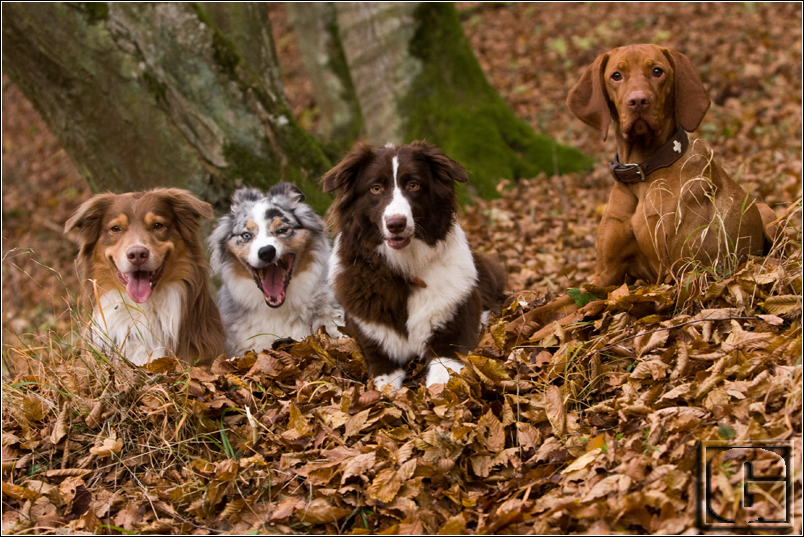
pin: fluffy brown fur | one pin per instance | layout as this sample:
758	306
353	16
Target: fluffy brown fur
112	229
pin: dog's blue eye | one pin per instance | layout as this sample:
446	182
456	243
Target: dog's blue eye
245	236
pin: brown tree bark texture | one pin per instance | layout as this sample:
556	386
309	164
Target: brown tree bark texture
146	95
318	35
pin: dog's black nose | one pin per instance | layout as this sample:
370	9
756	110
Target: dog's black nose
267	253
137	255
396	224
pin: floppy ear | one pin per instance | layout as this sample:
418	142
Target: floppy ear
188	211
217	242
291	191
347	169
692	100
185	204
88	218
588	99
443	167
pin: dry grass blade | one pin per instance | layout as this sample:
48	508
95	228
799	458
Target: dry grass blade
592	428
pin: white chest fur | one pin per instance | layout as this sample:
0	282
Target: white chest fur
141	332
447	269
309	304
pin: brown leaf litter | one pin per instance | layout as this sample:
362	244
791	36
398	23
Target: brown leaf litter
590	426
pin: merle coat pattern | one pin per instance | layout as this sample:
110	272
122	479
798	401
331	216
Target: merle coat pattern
271	252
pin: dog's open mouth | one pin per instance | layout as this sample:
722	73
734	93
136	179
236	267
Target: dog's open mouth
140	283
397	243
273	279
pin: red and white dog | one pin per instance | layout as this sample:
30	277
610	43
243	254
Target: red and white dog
401	266
143	253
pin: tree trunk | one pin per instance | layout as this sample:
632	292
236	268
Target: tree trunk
316	28
375	38
416	77
146	95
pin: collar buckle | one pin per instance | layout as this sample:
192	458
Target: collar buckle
664	156
637	168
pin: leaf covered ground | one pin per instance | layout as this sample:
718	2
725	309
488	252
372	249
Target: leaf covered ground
592	427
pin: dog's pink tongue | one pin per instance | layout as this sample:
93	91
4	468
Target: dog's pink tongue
139	286
273	285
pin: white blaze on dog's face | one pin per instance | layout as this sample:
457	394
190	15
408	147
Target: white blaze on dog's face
265	231
138	246
397	219
395	196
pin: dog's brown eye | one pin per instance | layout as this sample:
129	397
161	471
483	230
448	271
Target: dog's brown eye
616	76
376	189
413	186
158	225
657	72
282	230
115	229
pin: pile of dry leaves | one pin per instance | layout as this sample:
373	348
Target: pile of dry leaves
593	428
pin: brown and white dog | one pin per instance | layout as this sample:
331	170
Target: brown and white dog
143	253
401	266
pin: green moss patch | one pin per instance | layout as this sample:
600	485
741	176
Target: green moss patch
95	12
246	168
453	106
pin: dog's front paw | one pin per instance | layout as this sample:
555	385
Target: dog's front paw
438	371
393	379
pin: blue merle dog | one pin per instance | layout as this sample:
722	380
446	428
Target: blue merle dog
271	253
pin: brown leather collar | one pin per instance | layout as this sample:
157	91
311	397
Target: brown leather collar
666	155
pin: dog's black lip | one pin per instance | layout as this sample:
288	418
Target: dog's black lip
257	274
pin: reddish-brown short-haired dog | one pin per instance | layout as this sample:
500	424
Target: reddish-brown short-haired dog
672	206
143	253
672	202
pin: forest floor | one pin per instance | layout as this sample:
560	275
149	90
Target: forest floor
595	428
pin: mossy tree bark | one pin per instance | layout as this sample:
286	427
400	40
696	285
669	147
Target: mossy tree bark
416	77
189	95
146	95
316	28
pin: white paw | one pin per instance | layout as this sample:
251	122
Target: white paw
393	379
438	371
332	330
484	317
